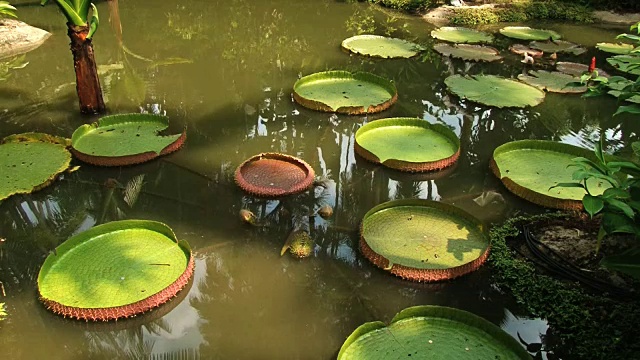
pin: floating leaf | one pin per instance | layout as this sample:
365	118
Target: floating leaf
119	269
494	90
345	92
552	81
408	144
431	332
527	33
29	162
423	240
619	48
381	46
559	46
125	139
461	35
577	69
468	52
522	49
626	63
274	175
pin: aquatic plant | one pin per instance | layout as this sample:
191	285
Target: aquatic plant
460	35
274	175
552	81
3	312
6	10
81	29
494	90
381	46
469	52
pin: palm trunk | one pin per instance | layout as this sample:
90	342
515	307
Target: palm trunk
87	81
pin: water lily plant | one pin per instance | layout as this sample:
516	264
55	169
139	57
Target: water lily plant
81	31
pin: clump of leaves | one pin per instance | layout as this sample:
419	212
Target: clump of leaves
6	10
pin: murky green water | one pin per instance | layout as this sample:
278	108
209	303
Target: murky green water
224	70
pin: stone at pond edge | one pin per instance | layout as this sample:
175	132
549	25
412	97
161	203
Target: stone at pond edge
17	37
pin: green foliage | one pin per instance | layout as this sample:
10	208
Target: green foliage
3	312
77	13
526	11
7	10
408	5
585	326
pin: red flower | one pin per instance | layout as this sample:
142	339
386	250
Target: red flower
592	67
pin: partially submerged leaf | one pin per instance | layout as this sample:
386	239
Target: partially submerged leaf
494	90
522	49
618	48
558	46
577	69
468	52
381	46
527	33
552	81
461	35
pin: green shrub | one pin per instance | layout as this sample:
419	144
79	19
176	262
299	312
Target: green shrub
466	16
408	5
519	12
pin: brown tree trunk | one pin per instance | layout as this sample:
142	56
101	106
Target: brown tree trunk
87	81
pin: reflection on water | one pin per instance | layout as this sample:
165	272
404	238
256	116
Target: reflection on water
224	70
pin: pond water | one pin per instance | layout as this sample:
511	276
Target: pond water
224	69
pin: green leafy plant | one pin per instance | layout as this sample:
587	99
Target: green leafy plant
7	10
3	312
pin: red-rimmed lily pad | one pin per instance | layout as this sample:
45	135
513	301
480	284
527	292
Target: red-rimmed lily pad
345	92
494	90
469	52
577	69
432	332
618	48
558	46
553	81
531	169
461	35
423	240
381	46
31	161
408	144
124	139
115	270
527	33
522	49
274	175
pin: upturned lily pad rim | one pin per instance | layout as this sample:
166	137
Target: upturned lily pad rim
458	51
124	160
442	32
403	165
126	310
415	48
259	191
424	275
376	80
514	33
532	195
424	312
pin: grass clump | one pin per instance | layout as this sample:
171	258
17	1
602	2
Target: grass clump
523	11
408	5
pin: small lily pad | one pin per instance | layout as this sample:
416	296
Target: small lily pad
381	46
345	92
619	48
552	81
468	52
125	139
577	69
461	35
29	162
522	49
494	90
558	46
527	33
626	63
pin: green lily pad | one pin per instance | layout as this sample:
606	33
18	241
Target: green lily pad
626	63
423	240
29	162
124	139
115	270
618	86
461	35
381	46
468	52
530	168
345	92
494	91
527	33
408	144
552	81
558	46
619	48
432	332
577	69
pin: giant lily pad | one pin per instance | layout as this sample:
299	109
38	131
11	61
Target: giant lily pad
345	92
408	144
530	168
468	52
558	46
115	270
577	69
423	240
619	48
274	175
29	162
527	33
626	63
381	46
522	49
432	332
494	90
552	81
461	35
125	139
